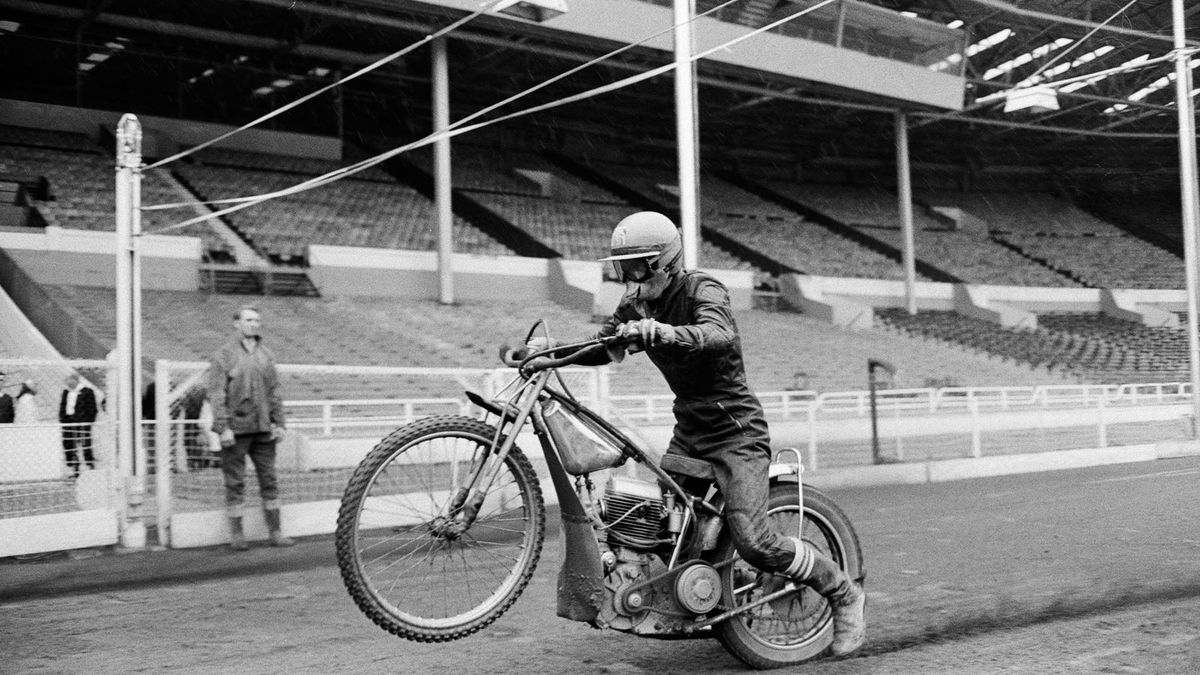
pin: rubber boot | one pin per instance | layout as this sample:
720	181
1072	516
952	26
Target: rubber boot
237	539
273	528
847	600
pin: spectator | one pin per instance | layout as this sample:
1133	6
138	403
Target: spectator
26	408
76	412
6	404
243	389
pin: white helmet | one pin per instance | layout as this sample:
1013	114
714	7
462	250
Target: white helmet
642	244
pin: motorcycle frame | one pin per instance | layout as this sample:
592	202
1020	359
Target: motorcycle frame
581	578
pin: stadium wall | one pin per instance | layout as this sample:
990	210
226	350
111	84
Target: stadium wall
578	284
88	258
846	301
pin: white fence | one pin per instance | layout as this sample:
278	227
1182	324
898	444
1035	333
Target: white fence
342	411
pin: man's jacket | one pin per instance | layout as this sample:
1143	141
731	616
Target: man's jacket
243	389
705	363
85	407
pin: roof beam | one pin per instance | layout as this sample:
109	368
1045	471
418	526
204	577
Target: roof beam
1009	8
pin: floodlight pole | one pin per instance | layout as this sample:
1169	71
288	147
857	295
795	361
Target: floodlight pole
685	132
904	194
441	173
131	460
1187	184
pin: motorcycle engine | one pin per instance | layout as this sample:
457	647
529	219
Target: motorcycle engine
633	512
634	516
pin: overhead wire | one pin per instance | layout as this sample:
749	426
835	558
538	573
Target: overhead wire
337	173
456	129
487	6
1081	40
362	165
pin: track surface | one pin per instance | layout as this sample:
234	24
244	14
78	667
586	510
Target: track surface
1085	571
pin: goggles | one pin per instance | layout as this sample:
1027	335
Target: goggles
637	270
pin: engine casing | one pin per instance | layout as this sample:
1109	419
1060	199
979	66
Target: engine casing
633	511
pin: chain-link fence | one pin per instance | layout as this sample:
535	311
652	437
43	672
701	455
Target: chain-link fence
334	416
58	438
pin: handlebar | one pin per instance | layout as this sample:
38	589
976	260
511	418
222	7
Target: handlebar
520	358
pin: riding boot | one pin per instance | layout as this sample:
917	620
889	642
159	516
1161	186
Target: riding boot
237	540
273	528
846	598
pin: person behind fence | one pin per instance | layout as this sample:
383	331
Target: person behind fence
682	319
243	388
6	404
27	407
76	412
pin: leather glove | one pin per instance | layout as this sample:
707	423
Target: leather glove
647	333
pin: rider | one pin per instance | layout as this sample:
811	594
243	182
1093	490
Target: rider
682	319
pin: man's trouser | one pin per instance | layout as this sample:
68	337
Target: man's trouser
260	448
733	436
77	439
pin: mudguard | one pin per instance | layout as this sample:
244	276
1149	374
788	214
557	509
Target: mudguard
581	579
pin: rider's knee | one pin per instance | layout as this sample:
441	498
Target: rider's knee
759	546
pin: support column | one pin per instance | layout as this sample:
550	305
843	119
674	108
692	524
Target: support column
686	133
131	461
1187	183
441	172
904	193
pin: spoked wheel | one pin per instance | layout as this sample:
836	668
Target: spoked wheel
798	627
409	563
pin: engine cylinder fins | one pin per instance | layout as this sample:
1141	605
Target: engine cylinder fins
698	588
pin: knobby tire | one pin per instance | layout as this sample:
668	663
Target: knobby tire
800	627
405	574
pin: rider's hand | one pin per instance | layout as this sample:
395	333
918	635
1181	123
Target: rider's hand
227	439
647	333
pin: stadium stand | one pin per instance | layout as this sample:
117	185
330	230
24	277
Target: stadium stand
82	188
1099	254
968	256
567	213
1091	347
377	331
373	211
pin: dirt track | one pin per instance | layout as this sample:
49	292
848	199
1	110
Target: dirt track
1084	571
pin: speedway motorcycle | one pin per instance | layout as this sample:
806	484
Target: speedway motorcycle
441	527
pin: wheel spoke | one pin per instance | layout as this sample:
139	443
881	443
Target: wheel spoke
416	568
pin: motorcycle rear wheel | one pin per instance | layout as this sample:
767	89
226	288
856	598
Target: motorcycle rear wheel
799	627
402	560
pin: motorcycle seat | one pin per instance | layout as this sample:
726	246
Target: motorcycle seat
688	466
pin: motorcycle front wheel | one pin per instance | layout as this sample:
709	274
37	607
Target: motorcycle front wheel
798	627
406	563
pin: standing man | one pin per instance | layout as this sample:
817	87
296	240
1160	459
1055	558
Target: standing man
76	412
243	388
6	404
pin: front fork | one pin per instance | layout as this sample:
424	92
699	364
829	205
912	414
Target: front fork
464	507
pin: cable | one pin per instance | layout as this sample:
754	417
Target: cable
451	131
1081	40
334	175
303	99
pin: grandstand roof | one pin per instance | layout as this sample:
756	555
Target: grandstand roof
218	61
